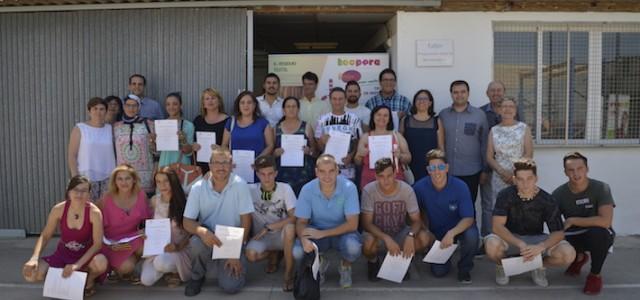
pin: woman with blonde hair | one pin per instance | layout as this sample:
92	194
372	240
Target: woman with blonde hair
80	224
124	209
212	118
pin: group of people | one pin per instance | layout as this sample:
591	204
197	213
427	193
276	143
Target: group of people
424	192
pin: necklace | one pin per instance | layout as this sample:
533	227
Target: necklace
525	197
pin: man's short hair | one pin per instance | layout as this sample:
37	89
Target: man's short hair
387	71
459	82
574	155
144	80
350	83
434	154
310	76
337	90
326	158
384	163
274	75
525	164
264	161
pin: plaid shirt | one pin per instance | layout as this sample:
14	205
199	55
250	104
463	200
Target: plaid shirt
396	102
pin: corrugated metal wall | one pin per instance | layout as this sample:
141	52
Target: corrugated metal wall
51	63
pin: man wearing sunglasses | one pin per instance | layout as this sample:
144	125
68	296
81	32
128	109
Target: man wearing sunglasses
448	214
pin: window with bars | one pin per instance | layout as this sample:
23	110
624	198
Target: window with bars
575	83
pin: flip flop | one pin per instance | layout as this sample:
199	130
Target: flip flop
89	291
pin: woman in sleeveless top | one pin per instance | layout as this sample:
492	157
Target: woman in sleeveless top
211	119
80	224
124	208
135	145
423	131
247	129
185	131
176	259
291	124
381	124
90	151
508	141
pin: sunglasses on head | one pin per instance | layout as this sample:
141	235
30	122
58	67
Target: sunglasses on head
432	168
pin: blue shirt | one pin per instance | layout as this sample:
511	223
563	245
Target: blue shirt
247	138
211	208
396	102
324	213
151	109
444	208
466	135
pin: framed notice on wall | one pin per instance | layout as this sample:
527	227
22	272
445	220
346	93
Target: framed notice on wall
434	53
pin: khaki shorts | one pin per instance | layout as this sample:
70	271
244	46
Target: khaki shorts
398	238
269	242
529	239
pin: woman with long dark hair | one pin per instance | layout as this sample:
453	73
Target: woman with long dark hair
80	224
173	105
176	259
114	109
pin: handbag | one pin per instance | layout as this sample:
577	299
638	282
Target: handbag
188	174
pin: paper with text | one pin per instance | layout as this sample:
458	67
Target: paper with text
394	267
338	145
71	288
205	140
166	135
380	146
158	232
293	155
231	239
243	160
517	265
439	256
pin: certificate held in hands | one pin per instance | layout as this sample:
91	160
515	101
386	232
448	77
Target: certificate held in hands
231	239
166	135
338	145
158	232
205	139
71	288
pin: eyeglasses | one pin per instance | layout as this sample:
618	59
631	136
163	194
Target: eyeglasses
440	167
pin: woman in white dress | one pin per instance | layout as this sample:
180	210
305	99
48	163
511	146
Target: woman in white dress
509	141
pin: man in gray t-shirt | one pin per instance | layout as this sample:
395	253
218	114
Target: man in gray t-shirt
385	205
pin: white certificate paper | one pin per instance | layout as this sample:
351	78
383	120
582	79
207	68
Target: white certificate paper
396	120
166	135
315	267
107	241
338	145
517	265
293	155
394	267
243	159
380	146
205	139
231	239
71	288
158	232
439	256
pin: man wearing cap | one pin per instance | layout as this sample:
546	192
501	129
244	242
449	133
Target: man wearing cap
149	108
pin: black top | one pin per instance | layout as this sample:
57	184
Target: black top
527	217
201	124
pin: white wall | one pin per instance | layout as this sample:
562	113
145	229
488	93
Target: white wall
472	34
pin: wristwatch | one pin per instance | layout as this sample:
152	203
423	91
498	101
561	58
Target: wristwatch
411	234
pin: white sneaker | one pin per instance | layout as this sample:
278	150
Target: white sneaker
539	277
501	278
324	265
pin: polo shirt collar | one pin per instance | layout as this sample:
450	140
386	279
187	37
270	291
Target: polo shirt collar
467	109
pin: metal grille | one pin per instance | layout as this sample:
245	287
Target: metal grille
575	83
51	63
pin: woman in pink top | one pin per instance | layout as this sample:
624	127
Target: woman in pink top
80	238
176	259
380	124
124	209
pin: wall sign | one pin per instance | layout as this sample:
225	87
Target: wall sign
434	53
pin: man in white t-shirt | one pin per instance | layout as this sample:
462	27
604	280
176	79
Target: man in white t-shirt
340	120
270	103
272	220
353	104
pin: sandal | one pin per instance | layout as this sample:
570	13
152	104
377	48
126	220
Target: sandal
89	291
133	279
173	280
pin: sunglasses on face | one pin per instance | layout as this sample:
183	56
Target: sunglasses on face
439	167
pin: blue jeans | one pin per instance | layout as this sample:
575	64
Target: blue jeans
349	245
467	245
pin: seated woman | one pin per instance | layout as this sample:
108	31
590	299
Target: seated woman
124	208
80	238
381	124
176	259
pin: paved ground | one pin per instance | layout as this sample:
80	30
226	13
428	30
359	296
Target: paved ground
621	274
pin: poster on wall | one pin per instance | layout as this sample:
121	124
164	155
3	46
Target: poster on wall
618	110
334	70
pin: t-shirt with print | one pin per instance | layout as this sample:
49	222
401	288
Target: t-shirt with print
362	112
584	204
528	217
389	211
347	123
269	211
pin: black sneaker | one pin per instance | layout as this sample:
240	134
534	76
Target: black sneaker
464	277
372	270
194	286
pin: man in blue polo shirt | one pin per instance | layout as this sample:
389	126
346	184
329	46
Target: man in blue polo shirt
327	211
448	214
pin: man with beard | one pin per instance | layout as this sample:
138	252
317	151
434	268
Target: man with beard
353	106
270	103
